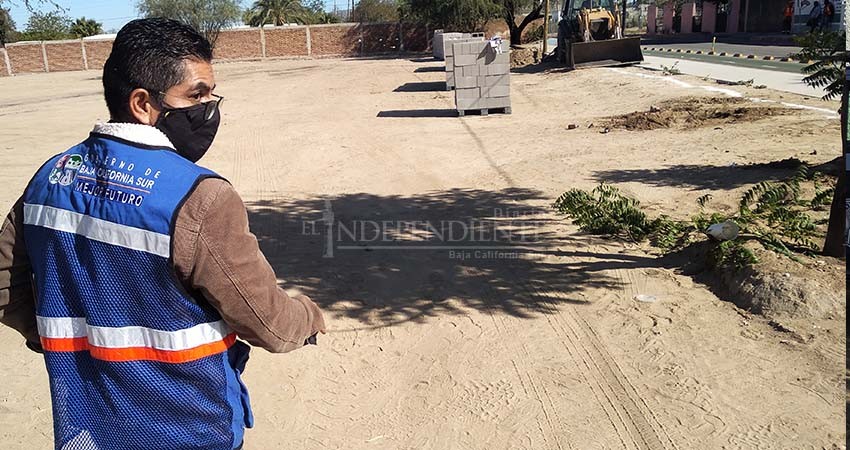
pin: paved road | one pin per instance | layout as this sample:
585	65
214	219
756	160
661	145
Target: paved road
791	67
746	49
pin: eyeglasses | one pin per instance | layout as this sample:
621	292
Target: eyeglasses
210	107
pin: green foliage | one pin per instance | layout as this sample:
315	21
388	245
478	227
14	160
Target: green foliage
822	198
771	213
207	16
371	11
731	253
775	213
324	17
277	12
49	26
703	200
451	15
83	27
473	15
668	234
826	49
318	15
7	27
604	211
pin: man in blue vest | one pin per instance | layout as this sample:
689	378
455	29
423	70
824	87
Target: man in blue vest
132	268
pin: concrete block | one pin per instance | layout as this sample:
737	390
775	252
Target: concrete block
495	91
440	41
497	80
502	58
498	69
450	80
465	60
471	103
466	82
459	48
468	93
498	102
471	71
450	63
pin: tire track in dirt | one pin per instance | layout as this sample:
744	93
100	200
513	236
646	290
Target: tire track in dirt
527	380
643	429
691	404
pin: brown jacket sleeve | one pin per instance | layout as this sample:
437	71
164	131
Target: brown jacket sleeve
216	256
17	302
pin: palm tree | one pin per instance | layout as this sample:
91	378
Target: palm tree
86	27
276	12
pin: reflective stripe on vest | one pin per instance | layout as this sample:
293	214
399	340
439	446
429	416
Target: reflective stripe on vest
96	229
73	334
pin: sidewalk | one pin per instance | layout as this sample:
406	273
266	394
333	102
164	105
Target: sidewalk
781	81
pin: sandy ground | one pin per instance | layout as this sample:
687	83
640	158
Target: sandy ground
547	350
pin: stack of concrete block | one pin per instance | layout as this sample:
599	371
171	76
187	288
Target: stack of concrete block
482	76
437	44
441	43
449	54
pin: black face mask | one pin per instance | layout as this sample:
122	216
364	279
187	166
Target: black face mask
191	129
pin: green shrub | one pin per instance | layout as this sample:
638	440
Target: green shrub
771	213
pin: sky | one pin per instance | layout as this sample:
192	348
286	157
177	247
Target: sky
112	14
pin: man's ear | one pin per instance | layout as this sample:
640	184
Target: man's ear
141	107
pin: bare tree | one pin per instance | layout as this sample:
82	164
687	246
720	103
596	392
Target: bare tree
512	9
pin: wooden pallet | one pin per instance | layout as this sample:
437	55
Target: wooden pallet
483	111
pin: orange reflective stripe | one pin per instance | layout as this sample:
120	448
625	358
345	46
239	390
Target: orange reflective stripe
155	354
138	353
77	344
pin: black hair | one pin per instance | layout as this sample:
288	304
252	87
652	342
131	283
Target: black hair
149	54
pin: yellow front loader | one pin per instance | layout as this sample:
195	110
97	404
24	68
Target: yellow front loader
590	34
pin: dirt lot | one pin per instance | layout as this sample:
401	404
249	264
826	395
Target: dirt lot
544	348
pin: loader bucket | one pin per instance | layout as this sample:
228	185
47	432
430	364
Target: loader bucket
613	52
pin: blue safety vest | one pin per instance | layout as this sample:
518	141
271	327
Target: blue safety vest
134	361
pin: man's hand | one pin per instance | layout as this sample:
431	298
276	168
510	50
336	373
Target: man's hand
35	346
317	320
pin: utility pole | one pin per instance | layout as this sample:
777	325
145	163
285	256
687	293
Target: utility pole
545	27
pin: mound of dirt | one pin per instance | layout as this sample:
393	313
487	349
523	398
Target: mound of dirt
776	287
524	56
691	112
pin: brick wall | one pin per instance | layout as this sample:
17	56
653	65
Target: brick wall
415	37
345	39
97	52
380	37
26	57
335	40
64	55
286	41
238	44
